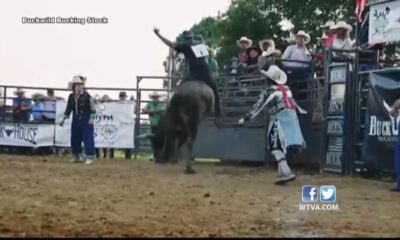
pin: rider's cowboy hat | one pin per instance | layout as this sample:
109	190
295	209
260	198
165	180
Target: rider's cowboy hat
246	40
275	74
19	90
305	35
343	25
328	24
154	94
38	97
271	48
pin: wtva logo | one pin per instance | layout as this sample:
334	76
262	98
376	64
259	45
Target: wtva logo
325	194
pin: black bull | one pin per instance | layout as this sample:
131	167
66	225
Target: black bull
178	125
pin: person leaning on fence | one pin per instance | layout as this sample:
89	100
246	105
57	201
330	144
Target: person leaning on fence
37	107
49	106
22	106
284	128
251	64
269	52
154	110
343	40
328	30
81	105
298	52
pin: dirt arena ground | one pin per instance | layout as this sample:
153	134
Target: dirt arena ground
44	196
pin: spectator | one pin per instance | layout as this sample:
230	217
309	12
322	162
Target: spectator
214	69
244	43
2	106
328	30
154	109
251	64
122	96
298	52
22	106
105	99
268	54
343	40
37	108
49	106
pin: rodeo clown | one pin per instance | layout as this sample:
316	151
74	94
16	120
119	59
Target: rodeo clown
284	129
83	108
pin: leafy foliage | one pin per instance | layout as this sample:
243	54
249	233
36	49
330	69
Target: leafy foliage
258	19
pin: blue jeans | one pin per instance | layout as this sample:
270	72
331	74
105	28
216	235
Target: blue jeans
81	130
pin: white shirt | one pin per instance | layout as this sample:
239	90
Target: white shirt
294	52
342	44
49	105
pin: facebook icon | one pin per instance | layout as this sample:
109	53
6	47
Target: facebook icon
310	193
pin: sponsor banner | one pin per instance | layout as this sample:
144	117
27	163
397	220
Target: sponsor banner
26	134
381	131
114	125
384	22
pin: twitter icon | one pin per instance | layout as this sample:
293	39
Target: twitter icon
327	193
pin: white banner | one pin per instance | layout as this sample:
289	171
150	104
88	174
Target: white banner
114	125
26	134
384	22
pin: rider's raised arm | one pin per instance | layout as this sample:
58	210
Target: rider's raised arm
163	39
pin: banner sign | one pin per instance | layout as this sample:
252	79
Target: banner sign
384	22
381	129
26	134
114	125
335	118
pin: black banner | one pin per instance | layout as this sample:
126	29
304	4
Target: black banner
381	130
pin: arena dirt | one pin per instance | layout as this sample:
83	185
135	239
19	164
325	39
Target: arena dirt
44	196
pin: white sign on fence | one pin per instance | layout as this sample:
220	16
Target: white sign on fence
114	125
26	134
384	22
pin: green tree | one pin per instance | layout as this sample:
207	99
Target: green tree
258	19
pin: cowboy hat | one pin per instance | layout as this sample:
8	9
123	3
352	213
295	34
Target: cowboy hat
271	48
344	25
154	94
328	24
246	40
275	74
305	35
254	48
38	96
106	98
79	76
19	90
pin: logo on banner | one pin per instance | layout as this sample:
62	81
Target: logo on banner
19	132
101	117
385	131
109	132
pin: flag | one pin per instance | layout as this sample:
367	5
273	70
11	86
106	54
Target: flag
360	7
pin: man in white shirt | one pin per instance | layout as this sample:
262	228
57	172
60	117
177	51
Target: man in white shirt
343	40
298	52
49	106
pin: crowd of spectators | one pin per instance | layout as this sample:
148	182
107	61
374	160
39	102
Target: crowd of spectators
296	57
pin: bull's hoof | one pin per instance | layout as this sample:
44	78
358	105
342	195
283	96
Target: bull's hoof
190	171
